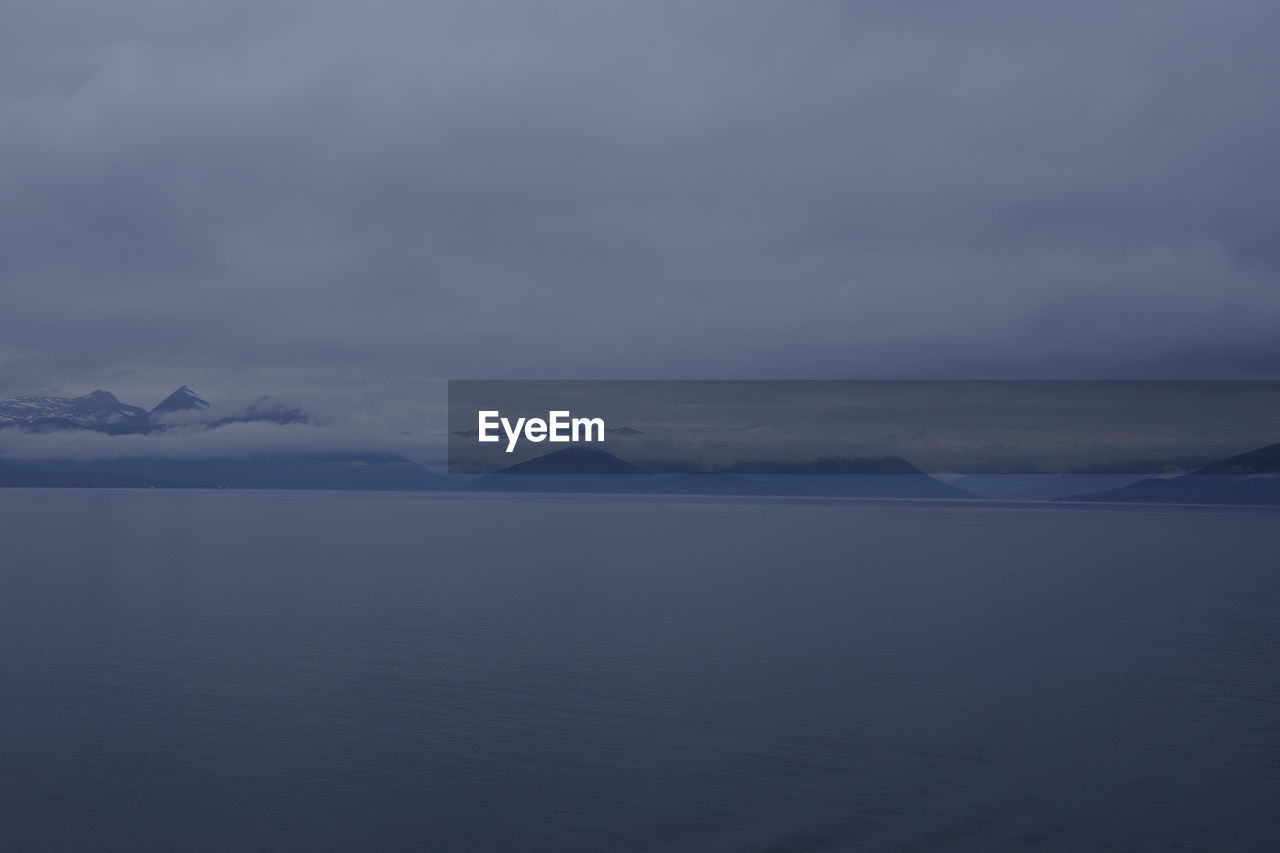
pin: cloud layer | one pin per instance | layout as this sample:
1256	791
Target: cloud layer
350	203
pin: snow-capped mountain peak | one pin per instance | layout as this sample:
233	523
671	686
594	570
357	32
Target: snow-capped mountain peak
182	400
101	411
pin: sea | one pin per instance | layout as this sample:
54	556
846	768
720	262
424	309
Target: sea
222	670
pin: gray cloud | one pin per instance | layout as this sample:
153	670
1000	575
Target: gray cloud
350	204
228	442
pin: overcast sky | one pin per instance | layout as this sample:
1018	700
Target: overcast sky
350	201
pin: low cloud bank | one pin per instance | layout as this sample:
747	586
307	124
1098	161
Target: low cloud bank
238	441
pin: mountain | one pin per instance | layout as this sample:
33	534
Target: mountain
102	412
1250	478
1093	478
182	400
571	460
573	469
582	469
1264	460
884	477
99	411
830	465
724	484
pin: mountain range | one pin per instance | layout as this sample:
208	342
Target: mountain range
588	469
101	411
1249	478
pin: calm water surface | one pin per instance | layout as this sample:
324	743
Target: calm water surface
278	671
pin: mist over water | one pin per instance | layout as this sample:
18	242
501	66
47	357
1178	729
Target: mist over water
265	671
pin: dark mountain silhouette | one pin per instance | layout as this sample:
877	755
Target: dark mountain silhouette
582	469
1264	460
1105	477
182	400
572	469
571	460
723	484
884	477
1137	467
826	466
1249	478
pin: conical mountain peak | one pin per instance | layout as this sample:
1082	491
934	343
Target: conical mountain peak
184	399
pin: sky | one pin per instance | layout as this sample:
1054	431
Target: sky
346	204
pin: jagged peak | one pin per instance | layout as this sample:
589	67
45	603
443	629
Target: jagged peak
183	399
